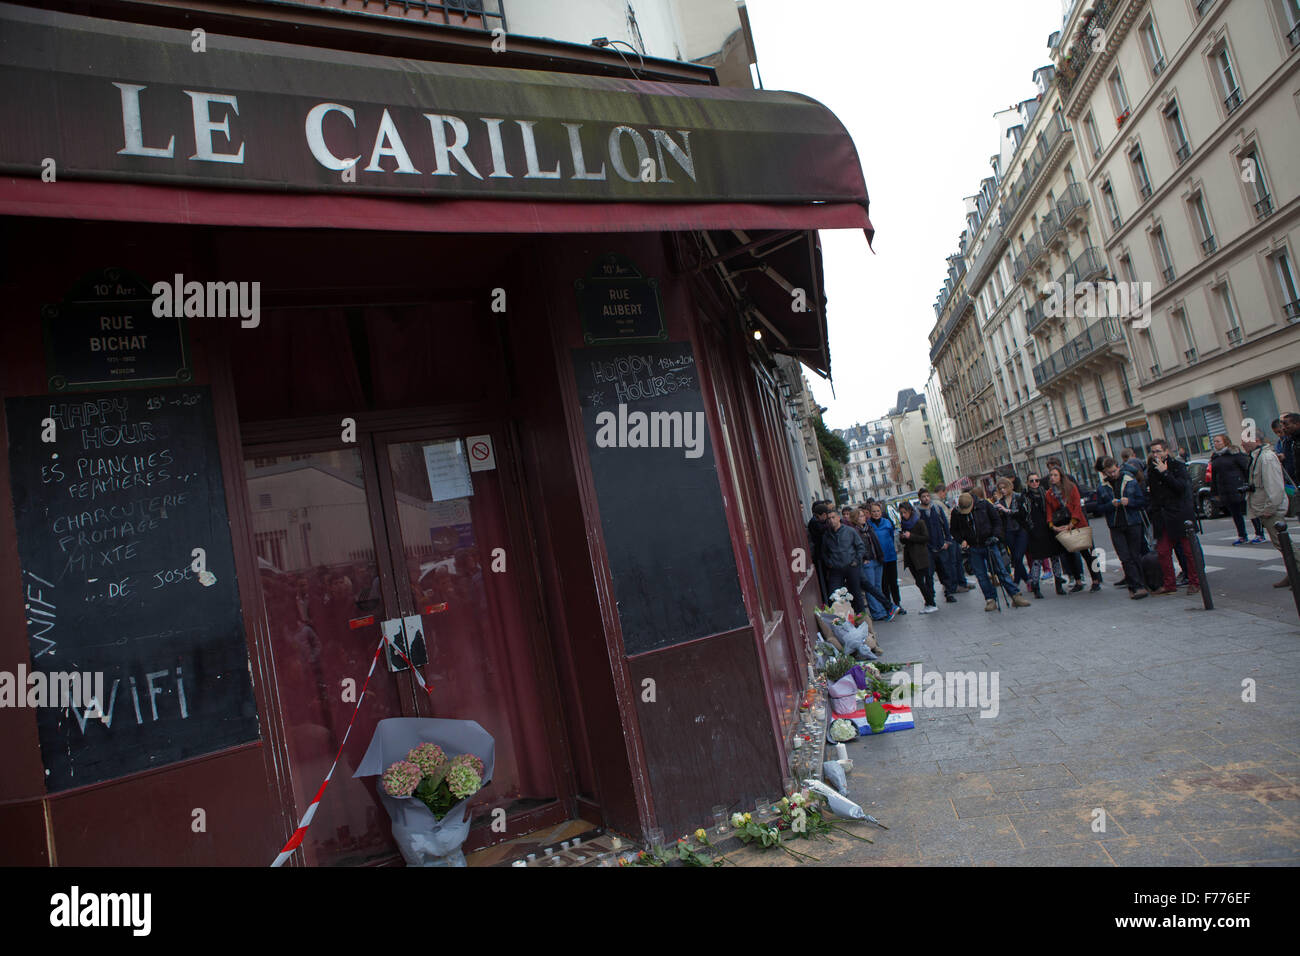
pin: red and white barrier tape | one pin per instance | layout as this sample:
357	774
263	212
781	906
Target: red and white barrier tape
305	822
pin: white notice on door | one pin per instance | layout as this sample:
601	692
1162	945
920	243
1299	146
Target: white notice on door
482	456
448	470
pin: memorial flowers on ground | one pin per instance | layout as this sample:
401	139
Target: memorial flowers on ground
437	782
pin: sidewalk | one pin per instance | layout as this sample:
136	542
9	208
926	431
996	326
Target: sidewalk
1131	708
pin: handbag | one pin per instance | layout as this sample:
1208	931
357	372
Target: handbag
1077	539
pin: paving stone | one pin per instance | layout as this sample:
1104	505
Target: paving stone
980	763
1050	827
987	805
1246	845
1071	854
981	837
1031	778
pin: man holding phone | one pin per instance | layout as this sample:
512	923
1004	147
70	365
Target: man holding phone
1169	496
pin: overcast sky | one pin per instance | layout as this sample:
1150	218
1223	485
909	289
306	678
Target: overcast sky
916	85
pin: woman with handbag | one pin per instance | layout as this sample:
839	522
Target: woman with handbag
1065	506
1043	545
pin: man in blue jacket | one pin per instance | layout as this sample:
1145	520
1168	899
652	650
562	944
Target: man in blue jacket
1121	499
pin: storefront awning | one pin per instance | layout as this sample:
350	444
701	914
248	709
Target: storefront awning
124	102
101	119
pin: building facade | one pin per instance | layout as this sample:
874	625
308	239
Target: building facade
941	427
1191	145
381	449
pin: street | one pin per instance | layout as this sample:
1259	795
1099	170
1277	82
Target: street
1121	737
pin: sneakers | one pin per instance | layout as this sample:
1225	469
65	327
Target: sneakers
991	605
1096	586
929	609
1239	541
1045	576
1258	539
1076	587
1139	593
950	599
1019	600
1182	580
894	613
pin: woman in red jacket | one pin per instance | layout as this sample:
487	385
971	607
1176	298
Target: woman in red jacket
1063	496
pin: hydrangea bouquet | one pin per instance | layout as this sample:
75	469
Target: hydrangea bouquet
438	782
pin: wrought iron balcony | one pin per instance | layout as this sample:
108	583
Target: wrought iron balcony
1145	191
1158	67
485	15
1292	310
1052	230
1169	274
1071	204
1208	245
1116	223
1035	162
1155	370
1232	101
1095	339
1190	355
1234	336
1264	207
1086	266
1034	317
1182	153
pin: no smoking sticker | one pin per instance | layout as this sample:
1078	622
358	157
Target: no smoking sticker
482	457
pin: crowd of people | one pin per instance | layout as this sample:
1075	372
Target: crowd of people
1006	537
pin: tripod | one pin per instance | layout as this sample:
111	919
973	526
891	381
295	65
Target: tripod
992	567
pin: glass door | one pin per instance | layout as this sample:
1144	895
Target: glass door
464	568
326	590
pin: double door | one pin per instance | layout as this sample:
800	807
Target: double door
418	532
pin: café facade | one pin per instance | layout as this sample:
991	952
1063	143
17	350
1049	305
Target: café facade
305	346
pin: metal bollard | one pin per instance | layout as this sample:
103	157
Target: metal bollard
1198	559
1288	558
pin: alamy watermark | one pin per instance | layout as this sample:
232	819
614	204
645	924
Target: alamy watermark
60	689
651	430
918	688
209	300
1107	298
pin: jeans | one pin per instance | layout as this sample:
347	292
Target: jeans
871	573
925	581
889	583
1165	548
980	558
1018	542
1238	512
1128	540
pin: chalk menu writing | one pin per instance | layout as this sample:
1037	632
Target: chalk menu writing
113	493
661	508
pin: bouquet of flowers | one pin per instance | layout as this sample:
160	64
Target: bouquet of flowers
436	781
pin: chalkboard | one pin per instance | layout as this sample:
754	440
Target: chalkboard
108	516
661	509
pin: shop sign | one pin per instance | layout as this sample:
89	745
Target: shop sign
105	335
618	304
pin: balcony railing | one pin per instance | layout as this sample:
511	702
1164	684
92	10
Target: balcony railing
1182	153
484	15
1158	67
1208	245
1234	336
1232	101
1072	203
1145	191
1096	337
1116	223
1034	317
1155	370
1034	164
1087	265
1294	36
1264	207
1190	355
1292	310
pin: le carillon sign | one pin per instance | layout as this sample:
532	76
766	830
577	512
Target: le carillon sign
84	98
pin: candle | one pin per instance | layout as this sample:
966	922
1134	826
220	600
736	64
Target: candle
519	863
841	752
618	844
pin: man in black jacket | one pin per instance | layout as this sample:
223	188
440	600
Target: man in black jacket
816	528
943	549
1169	504
977	525
843	552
